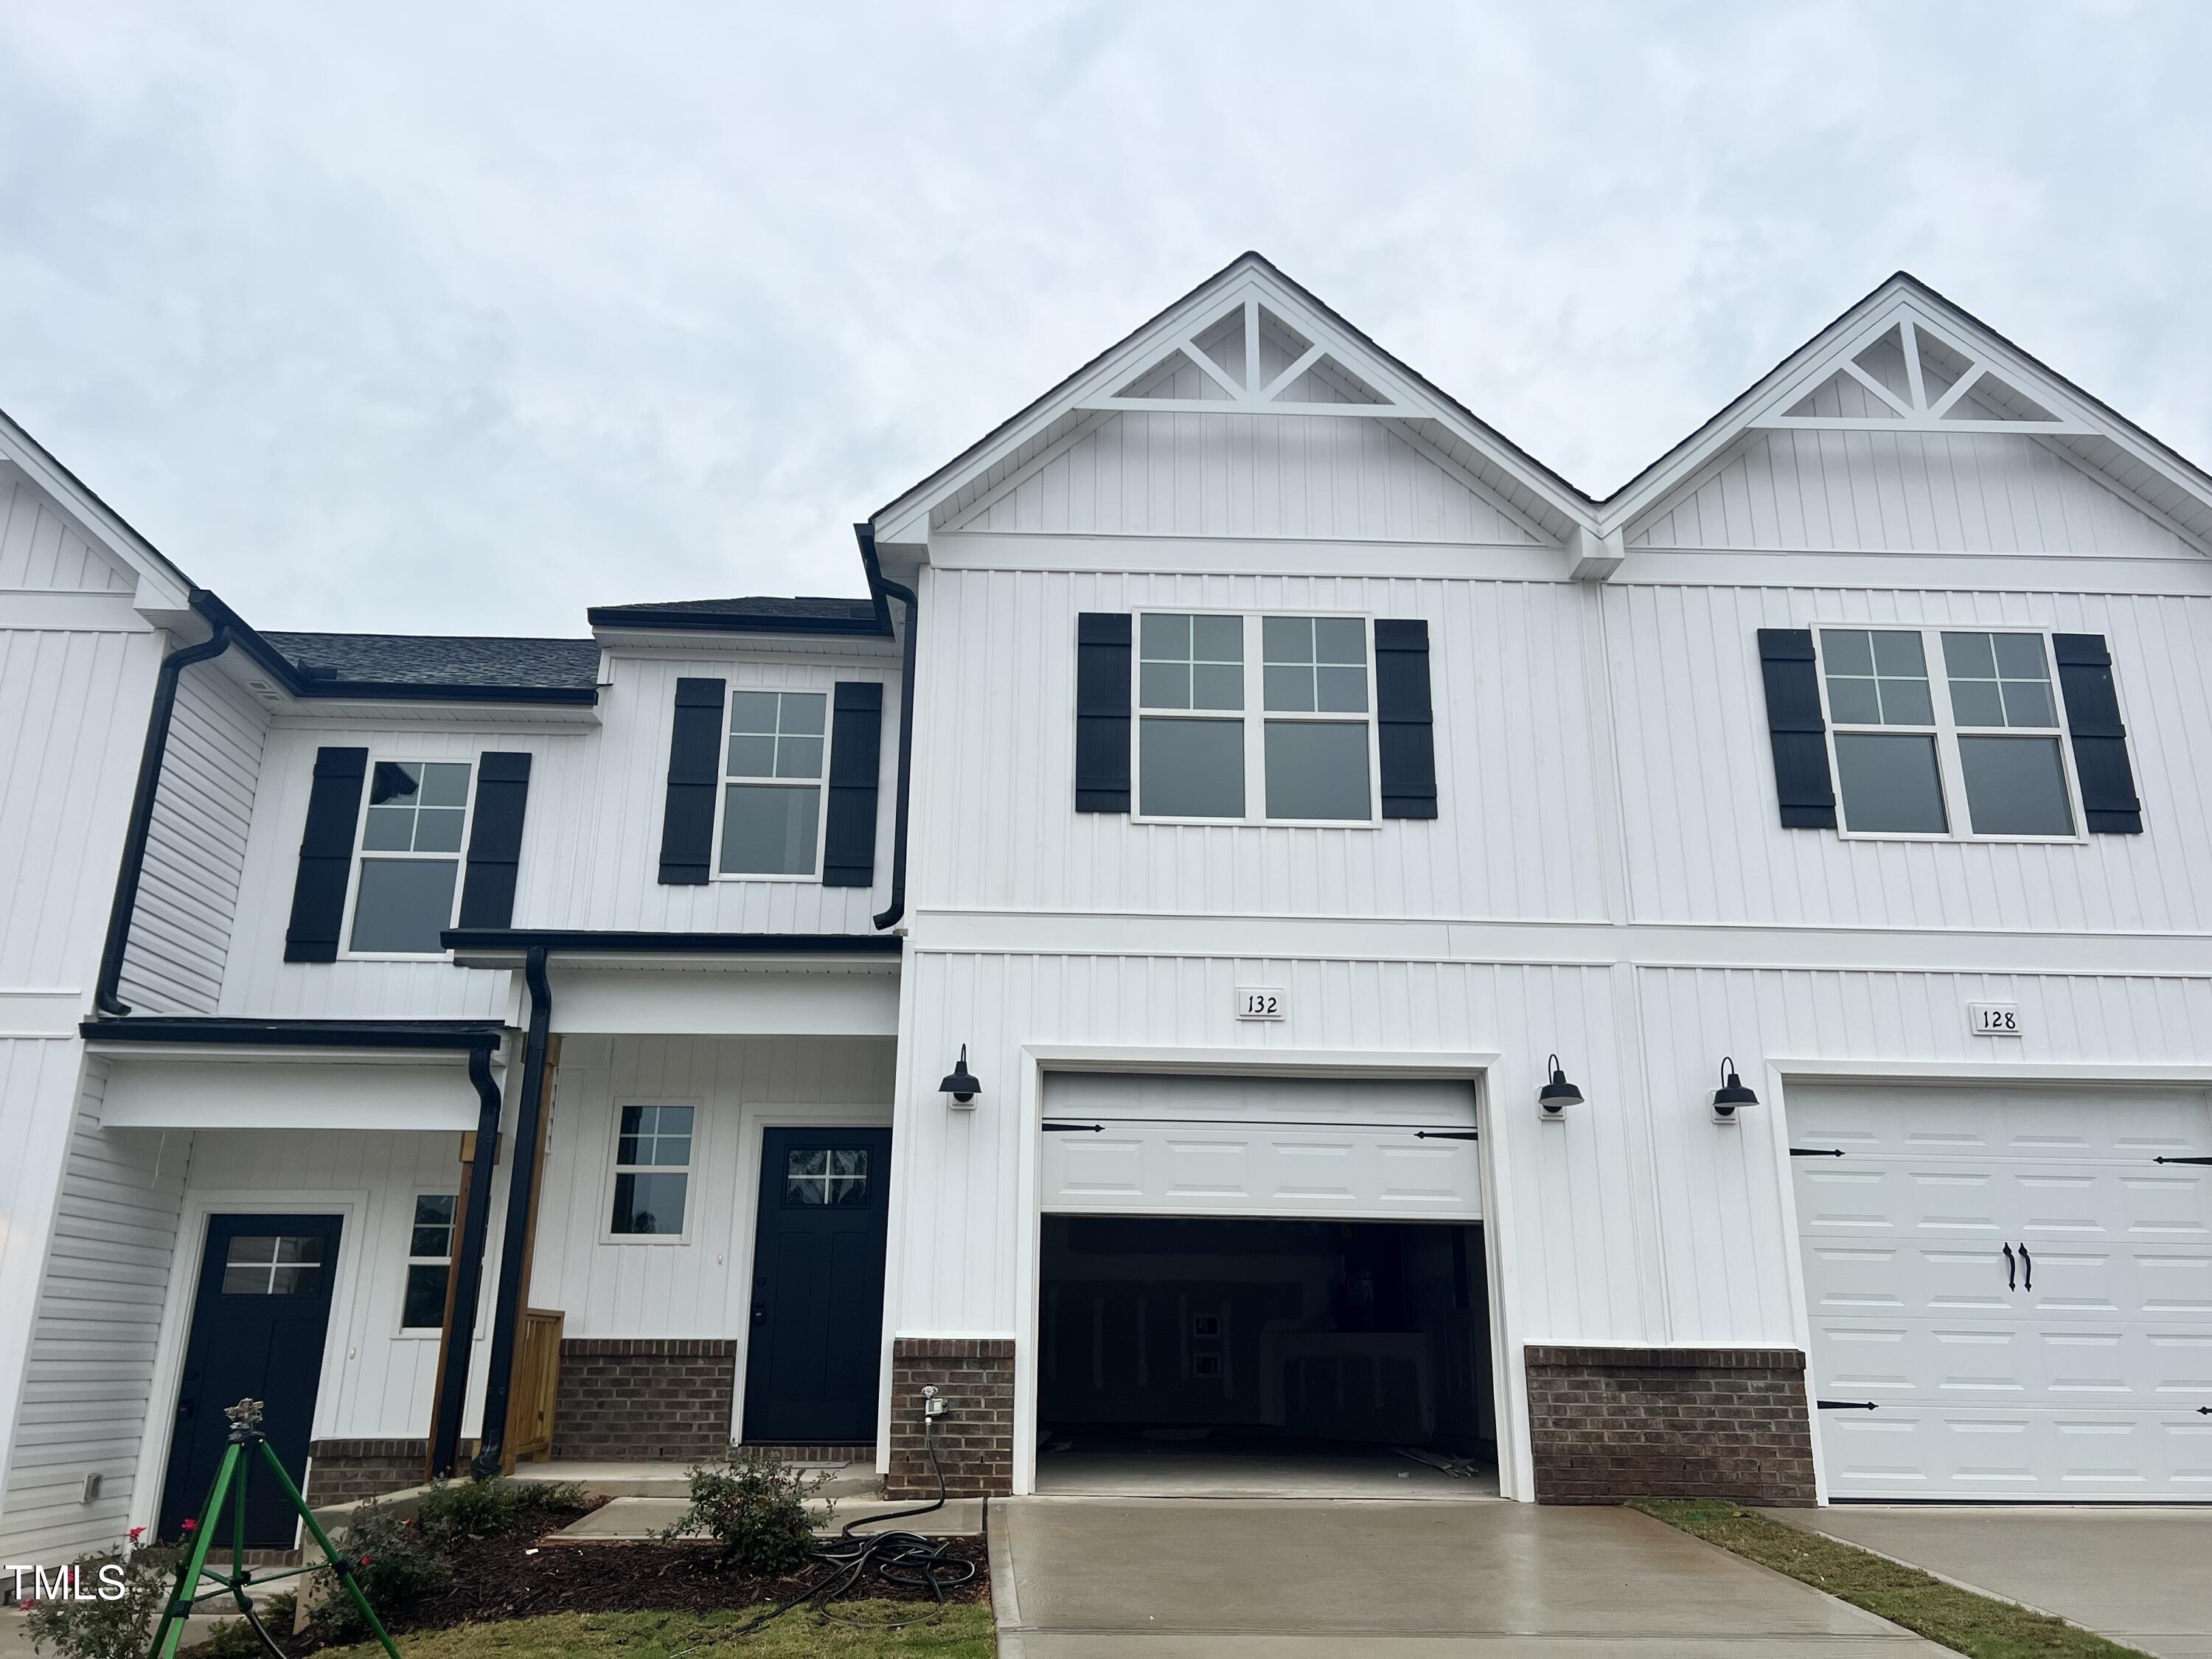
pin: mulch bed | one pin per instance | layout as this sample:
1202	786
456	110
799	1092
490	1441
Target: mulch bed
513	1574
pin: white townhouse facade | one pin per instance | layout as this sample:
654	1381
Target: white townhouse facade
1280	924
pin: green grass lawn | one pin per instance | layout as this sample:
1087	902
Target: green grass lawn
1978	1626
966	1633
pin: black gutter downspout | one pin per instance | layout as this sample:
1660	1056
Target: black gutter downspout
896	909
514	1240
468	1268
107	997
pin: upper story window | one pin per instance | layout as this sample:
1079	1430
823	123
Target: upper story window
1308	758
1943	733
773	782
412	838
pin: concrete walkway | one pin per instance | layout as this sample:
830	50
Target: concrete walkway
2143	1577
1196	1578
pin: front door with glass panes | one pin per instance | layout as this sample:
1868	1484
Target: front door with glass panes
258	1321
814	1343
1948	733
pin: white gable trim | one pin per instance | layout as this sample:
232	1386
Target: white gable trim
1552	513
2144	473
164	592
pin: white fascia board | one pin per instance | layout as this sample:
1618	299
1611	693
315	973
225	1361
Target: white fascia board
287	1090
630	644
628	1002
905	521
164	592
1839	343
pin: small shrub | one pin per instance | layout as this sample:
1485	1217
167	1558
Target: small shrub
754	1506
477	1509
123	1628
396	1569
236	1640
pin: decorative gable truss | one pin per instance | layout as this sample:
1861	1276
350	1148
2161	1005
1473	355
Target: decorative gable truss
1911	377
1335	438
1248	361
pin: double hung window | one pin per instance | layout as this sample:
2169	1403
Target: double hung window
429	1262
1260	719
773	769
1942	732
653	1170
410	856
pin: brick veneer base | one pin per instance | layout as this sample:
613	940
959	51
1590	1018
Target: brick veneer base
645	1397
974	1438
1607	1424
341	1470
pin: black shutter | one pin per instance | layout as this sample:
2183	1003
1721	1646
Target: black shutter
694	769
1101	712
1405	725
318	891
495	840
1802	779
2100	742
856	740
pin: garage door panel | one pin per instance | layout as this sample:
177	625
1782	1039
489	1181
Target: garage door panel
1261	1169
2044	1126
1928	1360
2075	1370
2099	1457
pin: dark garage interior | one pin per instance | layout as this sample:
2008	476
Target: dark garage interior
1272	1336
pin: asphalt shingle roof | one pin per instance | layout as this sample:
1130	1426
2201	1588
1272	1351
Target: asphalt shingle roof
442	660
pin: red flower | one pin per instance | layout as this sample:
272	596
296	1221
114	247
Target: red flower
364	1560
138	1533
26	1605
191	1525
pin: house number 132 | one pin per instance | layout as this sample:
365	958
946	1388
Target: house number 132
1261	1002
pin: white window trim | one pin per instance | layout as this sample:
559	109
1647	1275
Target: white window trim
401	1330
346	953
1255	716
607	1233
723	781
1950	772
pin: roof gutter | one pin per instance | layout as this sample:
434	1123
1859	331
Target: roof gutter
107	997
881	585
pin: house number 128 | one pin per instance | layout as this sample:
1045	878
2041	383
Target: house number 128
1994	1020
1261	1002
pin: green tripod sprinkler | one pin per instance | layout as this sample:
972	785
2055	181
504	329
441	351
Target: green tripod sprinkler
230	1479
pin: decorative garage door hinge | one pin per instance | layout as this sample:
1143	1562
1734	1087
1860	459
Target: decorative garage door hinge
1816	1152
1446	1134
1847	1405
2182	1160
1051	1127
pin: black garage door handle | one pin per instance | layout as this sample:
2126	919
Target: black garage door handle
2012	1269
2028	1262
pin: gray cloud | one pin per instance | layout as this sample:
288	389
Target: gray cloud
429	318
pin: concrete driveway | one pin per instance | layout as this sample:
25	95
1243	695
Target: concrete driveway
2143	1577
1204	1578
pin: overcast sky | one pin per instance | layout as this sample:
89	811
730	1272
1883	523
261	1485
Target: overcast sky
459	317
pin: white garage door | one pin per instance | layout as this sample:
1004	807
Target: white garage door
2016	1284
1343	1150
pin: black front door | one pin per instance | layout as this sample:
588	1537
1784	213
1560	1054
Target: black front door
817	1345
258	1323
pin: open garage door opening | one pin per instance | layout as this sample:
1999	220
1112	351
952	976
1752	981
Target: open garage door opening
1334	1358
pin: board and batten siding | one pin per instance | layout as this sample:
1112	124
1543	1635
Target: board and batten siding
590	853
701	1286
89	1371
195	849
993	824
1137	473
41	551
75	701
1705	845
1903	492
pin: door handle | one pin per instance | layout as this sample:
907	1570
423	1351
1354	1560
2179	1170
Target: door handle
2011	1268
2028	1262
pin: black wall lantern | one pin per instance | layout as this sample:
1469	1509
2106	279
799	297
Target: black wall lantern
961	1084
1731	1094
1555	1097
